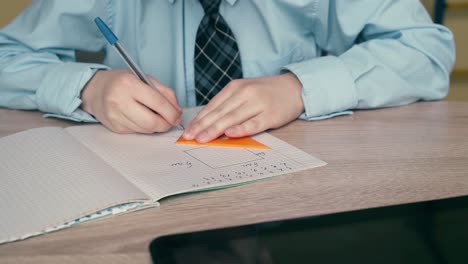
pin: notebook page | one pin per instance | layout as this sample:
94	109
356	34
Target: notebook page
48	178
160	167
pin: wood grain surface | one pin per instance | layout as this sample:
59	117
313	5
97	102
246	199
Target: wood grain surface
375	158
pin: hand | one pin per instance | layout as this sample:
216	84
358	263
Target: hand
125	104
248	106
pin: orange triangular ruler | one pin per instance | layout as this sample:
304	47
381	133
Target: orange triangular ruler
244	142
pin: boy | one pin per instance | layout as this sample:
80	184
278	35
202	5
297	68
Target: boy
255	64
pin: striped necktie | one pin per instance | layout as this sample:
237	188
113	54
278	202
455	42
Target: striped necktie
217	58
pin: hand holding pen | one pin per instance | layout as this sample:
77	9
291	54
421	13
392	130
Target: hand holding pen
126	102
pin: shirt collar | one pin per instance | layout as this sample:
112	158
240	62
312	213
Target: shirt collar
231	2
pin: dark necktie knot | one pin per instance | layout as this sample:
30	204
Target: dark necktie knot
211	7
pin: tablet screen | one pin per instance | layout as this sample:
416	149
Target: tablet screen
426	232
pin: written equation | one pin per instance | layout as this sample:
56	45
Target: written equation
248	171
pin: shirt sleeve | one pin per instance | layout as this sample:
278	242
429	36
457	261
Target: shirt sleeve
38	69
379	54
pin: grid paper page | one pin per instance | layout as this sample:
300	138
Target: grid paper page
48	178
160	167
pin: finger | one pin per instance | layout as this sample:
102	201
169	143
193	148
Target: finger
218	99
115	123
124	125
250	127
233	118
224	102
156	101
145	120
132	127
202	123
167	92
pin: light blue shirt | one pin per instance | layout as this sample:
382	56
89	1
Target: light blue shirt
347	54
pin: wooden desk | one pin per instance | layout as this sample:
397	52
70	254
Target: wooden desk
376	158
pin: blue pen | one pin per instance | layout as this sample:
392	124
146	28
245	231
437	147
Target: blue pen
114	42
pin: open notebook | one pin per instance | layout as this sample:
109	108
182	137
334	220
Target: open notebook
52	177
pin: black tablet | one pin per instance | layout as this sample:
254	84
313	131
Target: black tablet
426	232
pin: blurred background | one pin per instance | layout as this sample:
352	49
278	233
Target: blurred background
451	13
